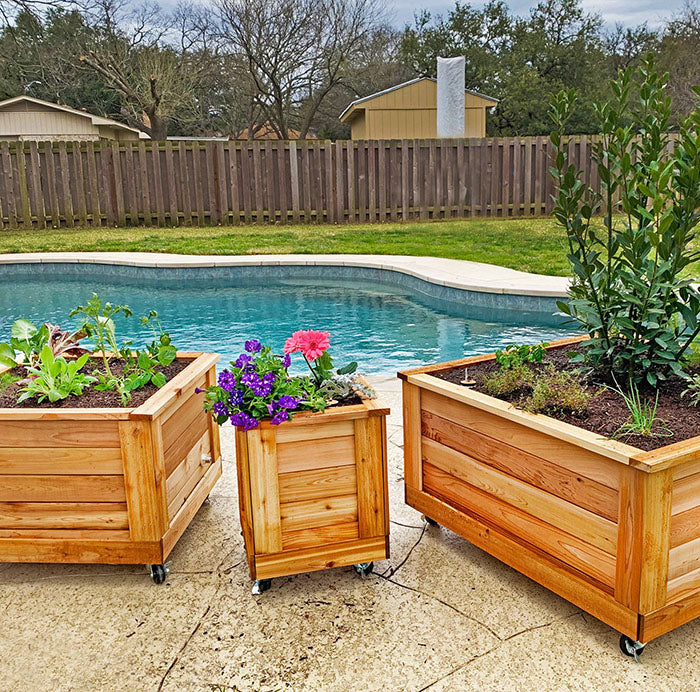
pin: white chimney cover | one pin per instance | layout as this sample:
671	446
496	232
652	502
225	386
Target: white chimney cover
450	97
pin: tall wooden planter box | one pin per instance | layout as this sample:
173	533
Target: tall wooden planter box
611	528
115	485
313	491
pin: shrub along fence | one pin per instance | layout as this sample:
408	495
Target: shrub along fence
183	183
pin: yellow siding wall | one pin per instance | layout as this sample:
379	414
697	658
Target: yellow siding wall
411	112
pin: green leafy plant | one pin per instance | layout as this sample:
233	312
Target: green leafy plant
513	356
692	391
628	291
643	419
27	340
55	378
7	379
98	323
161	348
505	381
557	391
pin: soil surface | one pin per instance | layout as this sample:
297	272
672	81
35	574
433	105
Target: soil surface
91	398
606	411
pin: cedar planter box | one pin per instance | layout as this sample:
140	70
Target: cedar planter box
313	492
112	485
611	528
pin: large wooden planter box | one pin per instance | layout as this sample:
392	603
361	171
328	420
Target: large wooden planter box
613	529
313	492
113	486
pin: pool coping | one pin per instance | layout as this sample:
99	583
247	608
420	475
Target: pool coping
459	274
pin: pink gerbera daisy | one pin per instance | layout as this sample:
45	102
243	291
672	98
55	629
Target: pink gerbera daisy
310	342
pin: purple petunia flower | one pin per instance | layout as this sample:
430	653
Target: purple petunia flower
280	417
227	380
286	361
220	408
288	402
236	397
253	346
242	360
271	408
243	420
250	379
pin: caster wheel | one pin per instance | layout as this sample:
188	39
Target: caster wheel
631	648
364	569
260	586
429	521
207	500
158	573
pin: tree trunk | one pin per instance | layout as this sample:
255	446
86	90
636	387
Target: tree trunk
158	129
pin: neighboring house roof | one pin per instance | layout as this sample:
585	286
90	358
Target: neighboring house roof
97	120
356	102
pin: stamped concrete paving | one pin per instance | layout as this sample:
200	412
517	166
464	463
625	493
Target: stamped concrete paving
440	615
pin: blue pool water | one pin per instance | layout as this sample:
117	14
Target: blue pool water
383	327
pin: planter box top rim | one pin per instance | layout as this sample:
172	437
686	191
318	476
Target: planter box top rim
157	402
658	459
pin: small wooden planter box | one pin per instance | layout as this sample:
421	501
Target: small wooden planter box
313	492
611	528
114	486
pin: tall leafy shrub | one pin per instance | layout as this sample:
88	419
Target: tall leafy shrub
631	290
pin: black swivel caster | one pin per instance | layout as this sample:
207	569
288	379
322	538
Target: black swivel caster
158	573
429	521
631	648
364	569
260	586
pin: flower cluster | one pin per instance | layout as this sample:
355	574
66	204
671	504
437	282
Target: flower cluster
258	385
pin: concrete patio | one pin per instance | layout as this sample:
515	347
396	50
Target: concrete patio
440	615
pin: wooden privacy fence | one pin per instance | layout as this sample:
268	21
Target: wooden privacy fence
58	184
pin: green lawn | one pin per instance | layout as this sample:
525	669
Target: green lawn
534	245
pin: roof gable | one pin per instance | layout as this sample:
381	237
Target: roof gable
409	86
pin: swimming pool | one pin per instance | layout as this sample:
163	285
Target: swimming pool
384	327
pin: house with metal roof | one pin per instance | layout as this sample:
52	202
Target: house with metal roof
409	110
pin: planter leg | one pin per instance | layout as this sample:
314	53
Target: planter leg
631	648
158	572
260	586
429	521
364	569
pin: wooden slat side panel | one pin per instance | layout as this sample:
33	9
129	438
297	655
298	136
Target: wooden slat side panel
412	435
553	478
180	418
63	515
90	461
308	514
541	505
317	483
264	490
245	512
300	433
683	606
62	488
532	563
323	557
370	464
683	559
578	460
685	585
49	433
685	527
582	556
316	454
146	520
80	551
321	535
187	474
68	534
686	494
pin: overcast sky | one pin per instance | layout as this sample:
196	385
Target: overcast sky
628	12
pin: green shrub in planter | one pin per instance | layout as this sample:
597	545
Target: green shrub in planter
631	291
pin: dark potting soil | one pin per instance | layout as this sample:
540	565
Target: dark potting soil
91	398
606	411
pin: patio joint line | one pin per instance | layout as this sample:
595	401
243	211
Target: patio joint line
391	571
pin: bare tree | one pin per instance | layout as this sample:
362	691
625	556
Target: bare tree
296	51
153	60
